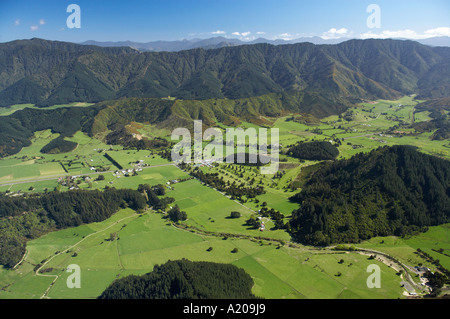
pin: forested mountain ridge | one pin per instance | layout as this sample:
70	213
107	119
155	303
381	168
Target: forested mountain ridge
389	191
50	72
219	41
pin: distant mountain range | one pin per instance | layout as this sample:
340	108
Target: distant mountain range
219	42
46	72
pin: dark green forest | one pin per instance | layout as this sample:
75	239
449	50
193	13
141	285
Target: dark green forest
390	191
59	145
314	151
184	279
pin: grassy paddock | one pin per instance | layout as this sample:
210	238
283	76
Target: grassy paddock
148	240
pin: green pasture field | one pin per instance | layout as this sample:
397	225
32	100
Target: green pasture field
276	194
147	240
5	111
22	283
127	158
33	163
151	131
31	168
32	187
152	175
210	210
422	116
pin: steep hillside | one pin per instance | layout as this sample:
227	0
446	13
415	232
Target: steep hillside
389	191
435	106
50	72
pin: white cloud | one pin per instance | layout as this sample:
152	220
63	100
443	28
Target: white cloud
36	27
285	36
243	34
218	32
438	32
334	33
408	34
260	33
17	22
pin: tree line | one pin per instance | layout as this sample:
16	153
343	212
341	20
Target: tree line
236	191
315	151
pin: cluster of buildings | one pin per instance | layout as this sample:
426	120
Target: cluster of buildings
128	172
69	181
205	163
262	227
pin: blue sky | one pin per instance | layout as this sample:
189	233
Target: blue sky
151	20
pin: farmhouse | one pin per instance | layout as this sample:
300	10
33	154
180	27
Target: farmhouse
422	269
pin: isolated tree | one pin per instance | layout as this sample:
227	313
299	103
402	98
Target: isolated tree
176	215
235	214
252	221
112	236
